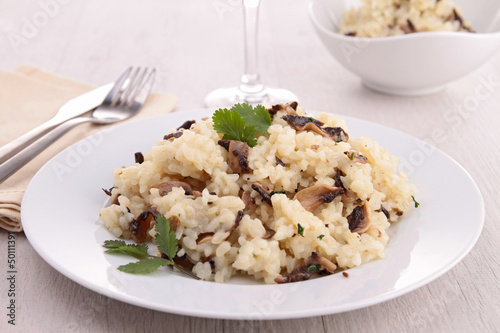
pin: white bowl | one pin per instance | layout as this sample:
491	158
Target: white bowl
413	64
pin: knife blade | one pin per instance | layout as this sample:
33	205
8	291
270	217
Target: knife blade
72	108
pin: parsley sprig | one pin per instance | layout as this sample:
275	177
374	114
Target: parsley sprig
167	244
242	122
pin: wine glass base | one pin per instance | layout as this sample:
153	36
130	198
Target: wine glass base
227	97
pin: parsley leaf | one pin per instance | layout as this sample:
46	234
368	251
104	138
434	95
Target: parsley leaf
139	251
165	238
257	117
300	229
143	266
242	122
167	244
415	201
232	125
113	244
320	237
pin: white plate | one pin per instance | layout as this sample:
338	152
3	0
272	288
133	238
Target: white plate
60	209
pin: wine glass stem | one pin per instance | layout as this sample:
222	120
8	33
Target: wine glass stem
250	82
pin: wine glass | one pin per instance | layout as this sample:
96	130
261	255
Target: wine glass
250	90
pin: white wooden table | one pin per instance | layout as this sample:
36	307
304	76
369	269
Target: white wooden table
196	46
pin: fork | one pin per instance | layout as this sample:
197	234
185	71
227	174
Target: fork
123	101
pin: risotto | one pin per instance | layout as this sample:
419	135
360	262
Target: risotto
306	199
396	17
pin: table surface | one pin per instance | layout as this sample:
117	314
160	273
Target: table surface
197	46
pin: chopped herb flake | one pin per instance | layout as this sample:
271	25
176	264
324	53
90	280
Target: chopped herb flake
314	268
320	237
300	230
277	192
415	201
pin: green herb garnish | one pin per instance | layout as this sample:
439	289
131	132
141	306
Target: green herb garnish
300	229
165	238
320	237
167	244
277	192
137	251
415	201
242	122
257	116
144	266
314	268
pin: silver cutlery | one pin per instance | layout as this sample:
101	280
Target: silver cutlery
123	101
73	108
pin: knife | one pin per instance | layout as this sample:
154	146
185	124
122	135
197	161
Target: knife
73	108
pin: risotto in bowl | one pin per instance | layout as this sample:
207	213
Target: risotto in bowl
408	47
294	198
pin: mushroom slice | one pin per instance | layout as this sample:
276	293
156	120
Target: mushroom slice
290	108
238	155
456	17
204	237
139	226
337	134
264	192
174	135
301	123
298	274
312	197
269	233
408	28
139	157
183	262
355	156
114	197
237	221
346	196
187	124
247	199
360	219
383	210
108	191
167	187
316	259
308	269
174	222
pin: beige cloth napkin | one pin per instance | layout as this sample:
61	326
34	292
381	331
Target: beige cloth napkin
30	96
